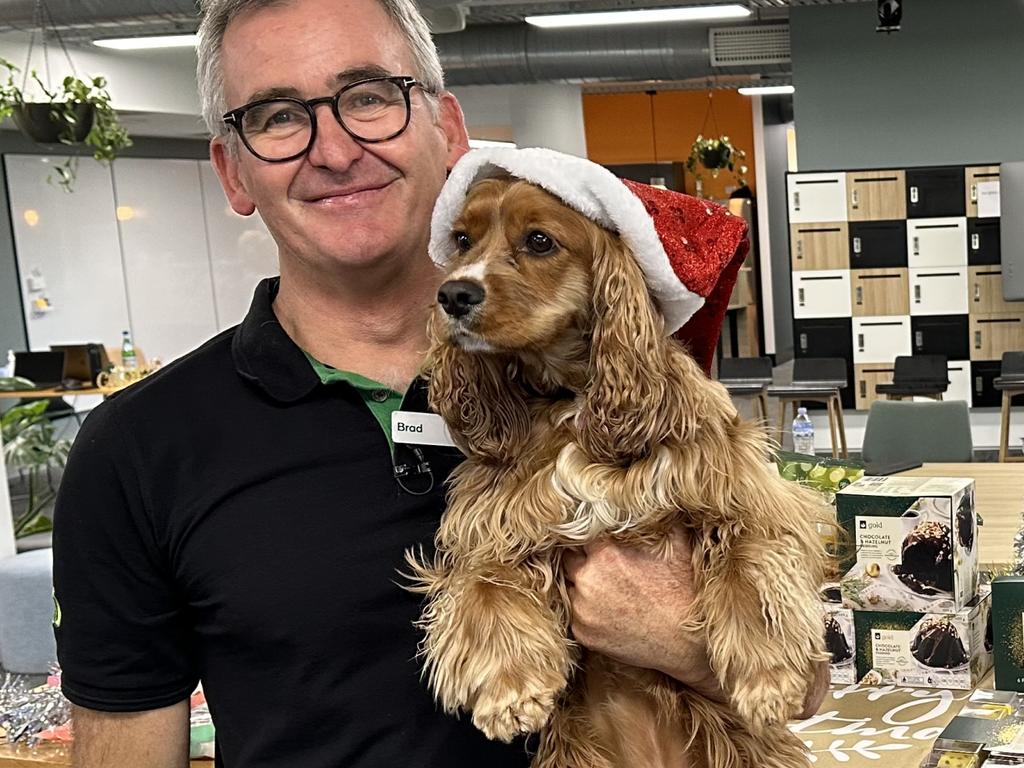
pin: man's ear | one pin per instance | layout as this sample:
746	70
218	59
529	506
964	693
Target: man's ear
225	163
453	123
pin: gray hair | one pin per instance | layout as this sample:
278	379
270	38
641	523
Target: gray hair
217	14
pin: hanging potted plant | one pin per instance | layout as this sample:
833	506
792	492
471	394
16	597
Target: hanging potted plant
716	155
77	112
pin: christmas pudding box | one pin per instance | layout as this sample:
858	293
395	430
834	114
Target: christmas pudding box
925	650
839	643
911	544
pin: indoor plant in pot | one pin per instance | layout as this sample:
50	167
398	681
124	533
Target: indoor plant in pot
75	112
715	155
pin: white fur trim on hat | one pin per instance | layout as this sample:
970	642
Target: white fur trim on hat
584	186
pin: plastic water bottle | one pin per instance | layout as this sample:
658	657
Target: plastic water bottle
803	433
129	359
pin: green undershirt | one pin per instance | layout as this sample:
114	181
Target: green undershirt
381	399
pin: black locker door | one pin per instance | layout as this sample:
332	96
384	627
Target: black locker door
941	335
827	337
934	192
982	242
878	244
983	392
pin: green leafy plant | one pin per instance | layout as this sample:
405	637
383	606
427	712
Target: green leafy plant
78	112
32	447
716	155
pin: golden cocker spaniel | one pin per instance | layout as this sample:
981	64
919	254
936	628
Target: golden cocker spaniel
579	420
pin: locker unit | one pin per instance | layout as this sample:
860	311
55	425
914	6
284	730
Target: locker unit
820	246
985	292
880	339
940	335
879	292
878	244
972	175
866	376
876	195
983	241
993	334
934	192
938	291
937	242
983	391
821	293
816	197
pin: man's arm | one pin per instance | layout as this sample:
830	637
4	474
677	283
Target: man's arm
628	603
158	738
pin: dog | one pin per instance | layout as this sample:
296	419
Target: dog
580	420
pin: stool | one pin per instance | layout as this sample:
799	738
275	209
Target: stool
917	376
819	380
27	645
1011	383
747	377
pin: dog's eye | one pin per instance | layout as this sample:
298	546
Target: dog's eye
462	241
539	243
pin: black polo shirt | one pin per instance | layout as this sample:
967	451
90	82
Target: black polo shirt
233	520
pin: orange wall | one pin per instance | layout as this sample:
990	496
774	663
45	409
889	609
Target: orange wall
618	129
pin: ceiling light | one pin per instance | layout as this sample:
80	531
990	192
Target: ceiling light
141	43
480	143
766	90
689	13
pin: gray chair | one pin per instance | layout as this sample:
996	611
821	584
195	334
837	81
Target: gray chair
904	432
1011	383
26	613
820	380
747	377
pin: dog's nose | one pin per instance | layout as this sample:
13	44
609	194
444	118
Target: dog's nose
457	297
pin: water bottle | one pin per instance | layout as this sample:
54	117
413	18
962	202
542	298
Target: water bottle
128	358
803	433
8	368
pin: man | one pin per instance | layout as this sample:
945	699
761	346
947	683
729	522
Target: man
240	517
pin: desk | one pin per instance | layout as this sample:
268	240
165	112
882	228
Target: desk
52	754
41	393
998	498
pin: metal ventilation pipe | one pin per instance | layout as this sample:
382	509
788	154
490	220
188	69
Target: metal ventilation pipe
502	54
21	14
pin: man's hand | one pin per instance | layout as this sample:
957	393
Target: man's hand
630	603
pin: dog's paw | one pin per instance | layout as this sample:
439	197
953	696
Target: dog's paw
516	712
763	704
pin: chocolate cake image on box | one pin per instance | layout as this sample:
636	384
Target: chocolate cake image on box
965	523
938	644
927	559
835	641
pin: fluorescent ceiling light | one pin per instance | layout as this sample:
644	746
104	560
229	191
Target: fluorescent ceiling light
141	43
766	90
480	143
689	13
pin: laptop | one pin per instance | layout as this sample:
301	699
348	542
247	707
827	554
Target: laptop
44	369
82	362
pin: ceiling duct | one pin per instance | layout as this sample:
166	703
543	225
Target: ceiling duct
749	45
500	54
72	15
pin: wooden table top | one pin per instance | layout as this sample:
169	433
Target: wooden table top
41	393
52	754
998	497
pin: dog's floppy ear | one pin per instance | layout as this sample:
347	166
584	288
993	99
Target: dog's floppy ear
476	395
622	412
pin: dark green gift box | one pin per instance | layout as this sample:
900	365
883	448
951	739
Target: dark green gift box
1008	631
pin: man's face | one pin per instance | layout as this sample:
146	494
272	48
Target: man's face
343	203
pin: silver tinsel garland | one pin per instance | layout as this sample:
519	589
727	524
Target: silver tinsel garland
25	713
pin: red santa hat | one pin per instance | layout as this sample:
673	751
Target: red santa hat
689	250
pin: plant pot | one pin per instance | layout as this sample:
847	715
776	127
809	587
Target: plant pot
714	158
39	123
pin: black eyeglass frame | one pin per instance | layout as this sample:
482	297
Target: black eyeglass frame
404	83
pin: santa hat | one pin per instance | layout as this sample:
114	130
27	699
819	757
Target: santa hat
689	250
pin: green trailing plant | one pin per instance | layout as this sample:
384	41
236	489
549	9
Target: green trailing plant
32	448
78	112
715	156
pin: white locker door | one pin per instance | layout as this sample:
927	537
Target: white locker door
880	339
959	383
68	253
816	197
821	293
167	266
937	291
242	252
937	242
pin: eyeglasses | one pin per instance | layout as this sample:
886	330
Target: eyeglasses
281	129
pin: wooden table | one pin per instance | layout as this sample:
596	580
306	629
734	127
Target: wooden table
41	393
998	498
51	754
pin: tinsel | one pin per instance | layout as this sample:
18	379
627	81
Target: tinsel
27	712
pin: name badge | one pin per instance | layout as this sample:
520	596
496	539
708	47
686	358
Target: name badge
413	428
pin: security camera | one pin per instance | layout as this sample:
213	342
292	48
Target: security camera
890	14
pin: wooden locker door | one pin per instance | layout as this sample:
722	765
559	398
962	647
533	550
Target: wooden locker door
879	292
867	375
985	292
819	246
972	175
876	195
991	335
936	291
